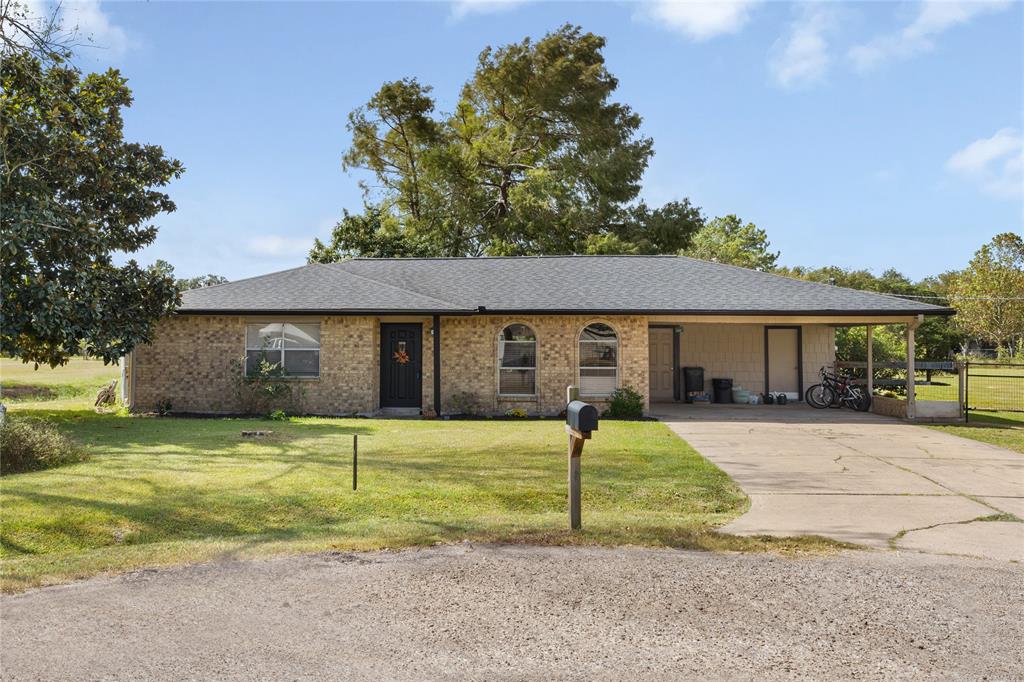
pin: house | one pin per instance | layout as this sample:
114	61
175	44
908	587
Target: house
490	334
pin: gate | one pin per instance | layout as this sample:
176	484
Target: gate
993	387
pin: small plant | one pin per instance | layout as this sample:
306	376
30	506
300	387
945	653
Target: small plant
278	416
33	444
625	403
516	413
163	407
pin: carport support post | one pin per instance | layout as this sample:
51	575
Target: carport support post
871	359
911	399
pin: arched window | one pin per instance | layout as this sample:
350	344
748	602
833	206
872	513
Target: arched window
517	360
599	360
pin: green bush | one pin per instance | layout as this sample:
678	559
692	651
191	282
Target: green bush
33	444
625	402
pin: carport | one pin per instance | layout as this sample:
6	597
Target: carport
860	478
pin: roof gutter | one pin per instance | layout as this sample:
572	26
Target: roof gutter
563	311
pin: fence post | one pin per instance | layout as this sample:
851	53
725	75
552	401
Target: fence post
961	375
967	391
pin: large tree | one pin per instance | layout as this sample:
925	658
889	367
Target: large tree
728	240
989	293
535	158
75	193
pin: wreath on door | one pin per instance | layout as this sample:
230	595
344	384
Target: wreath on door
401	357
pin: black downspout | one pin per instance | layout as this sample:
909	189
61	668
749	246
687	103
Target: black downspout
437	365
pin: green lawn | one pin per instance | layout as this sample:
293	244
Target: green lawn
69	387
1005	429
160	491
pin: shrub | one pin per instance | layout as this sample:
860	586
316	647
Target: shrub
33	444
516	412
278	416
625	402
268	389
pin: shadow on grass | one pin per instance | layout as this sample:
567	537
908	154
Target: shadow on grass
997	420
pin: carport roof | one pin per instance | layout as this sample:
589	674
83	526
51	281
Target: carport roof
653	285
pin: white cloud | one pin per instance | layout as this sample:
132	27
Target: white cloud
81	22
86	19
276	246
460	8
933	18
996	163
802	58
698	20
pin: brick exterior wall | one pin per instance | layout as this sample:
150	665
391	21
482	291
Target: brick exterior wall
194	362
190	362
469	360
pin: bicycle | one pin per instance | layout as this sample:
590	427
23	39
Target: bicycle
837	391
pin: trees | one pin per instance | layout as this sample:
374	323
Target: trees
536	158
936	338
728	240
75	193
164	268
989	293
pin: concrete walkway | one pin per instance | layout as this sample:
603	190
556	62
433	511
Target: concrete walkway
860	478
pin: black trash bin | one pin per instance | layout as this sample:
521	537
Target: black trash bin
693	382
722	389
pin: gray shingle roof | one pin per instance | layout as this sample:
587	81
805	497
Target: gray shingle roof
591	284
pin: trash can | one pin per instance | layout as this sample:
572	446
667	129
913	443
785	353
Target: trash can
693	382
722	389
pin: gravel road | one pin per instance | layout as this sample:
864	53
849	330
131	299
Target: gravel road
486	613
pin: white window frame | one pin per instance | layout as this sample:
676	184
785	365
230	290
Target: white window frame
501	367
282	349
579	359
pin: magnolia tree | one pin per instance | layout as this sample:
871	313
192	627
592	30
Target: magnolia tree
75	193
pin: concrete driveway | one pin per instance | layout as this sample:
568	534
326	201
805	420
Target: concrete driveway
860	478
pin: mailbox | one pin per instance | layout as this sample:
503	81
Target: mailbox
579	416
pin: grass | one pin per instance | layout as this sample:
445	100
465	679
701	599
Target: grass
71	386
160	491
1005	429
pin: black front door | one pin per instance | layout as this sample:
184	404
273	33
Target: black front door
401	365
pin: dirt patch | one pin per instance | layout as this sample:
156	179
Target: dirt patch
27	392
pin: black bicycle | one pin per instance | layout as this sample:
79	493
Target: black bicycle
836	390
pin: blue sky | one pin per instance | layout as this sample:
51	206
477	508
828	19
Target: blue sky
858	134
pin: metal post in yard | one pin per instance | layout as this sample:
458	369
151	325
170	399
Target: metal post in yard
967	391
355	460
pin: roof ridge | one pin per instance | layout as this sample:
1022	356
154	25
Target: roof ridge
338	266
523	257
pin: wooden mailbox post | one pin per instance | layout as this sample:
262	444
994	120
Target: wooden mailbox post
580	421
